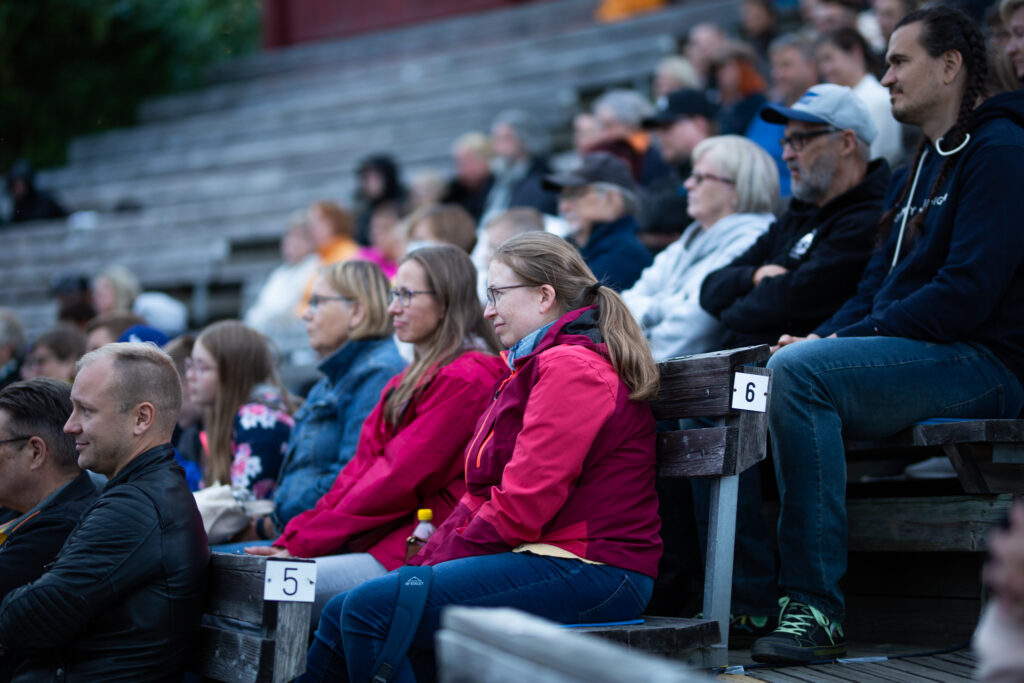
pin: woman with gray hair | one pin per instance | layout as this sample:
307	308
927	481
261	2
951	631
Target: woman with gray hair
733	190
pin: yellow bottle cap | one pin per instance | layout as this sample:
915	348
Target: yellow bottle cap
425	515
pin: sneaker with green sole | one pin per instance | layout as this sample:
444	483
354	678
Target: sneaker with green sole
744	629
804	634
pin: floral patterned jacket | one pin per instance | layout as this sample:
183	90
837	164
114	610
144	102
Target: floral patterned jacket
260	438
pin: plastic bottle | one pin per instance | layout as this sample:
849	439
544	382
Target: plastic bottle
423	531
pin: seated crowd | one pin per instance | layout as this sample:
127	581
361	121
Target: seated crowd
492	361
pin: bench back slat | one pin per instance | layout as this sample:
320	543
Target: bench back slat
701	385
233	656
236	589
697	452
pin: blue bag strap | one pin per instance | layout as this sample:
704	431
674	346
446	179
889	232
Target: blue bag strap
413	589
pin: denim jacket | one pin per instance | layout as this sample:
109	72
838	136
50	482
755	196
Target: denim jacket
328	424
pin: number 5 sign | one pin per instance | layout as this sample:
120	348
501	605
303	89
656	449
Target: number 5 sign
289	580
750	392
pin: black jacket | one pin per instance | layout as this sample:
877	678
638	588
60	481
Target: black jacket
825	250
125	595
35	541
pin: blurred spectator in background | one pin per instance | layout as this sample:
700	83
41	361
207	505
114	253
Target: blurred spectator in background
107	329
12	346
74	300
741	88
1013	16
116	289
247	419
379	181
759	25
471	154
682	120
426	188
331	228
274	311
188	448
599	200
445	224
794	71
617	10
387	239
54	354
519	164
888	13
585	132
674	73
832	15
703	43
733	189
30	203
1002	76
509	224
620	115
844	58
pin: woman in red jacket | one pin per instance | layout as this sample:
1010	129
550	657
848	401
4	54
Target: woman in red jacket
560	514
410	449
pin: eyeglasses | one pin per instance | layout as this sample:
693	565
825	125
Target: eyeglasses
799	140
15	438
494	293
404	296
196	366
315	300
699	178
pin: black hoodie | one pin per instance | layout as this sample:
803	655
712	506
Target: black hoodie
825	250
962	278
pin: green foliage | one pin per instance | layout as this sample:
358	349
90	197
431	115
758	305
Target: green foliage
69	67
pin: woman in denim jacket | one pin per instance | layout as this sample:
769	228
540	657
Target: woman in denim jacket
349	327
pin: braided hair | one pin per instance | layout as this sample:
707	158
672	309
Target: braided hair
943	29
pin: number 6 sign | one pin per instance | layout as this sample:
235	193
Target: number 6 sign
750	392
289	580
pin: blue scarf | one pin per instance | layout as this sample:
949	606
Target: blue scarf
526	345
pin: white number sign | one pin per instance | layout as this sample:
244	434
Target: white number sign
289	581
750	392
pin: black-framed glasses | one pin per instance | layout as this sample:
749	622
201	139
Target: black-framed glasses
494	293
16	438
315	300
699	178
799	140
404	296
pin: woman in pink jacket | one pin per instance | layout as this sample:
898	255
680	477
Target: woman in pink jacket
560	513
410	449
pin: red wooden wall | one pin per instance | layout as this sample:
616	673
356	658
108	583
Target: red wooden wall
287	22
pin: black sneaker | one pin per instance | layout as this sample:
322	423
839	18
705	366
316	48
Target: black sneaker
804	634
744	629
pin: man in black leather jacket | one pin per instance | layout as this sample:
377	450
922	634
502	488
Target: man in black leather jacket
124	597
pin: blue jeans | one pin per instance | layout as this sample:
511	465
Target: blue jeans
354	625
862	387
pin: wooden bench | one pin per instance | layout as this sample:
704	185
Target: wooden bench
509	646
898	523
272	643
702	387
988	459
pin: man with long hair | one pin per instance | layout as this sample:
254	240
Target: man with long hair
936	328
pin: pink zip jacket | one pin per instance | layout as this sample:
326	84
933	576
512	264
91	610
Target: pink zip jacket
562	456
372	505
